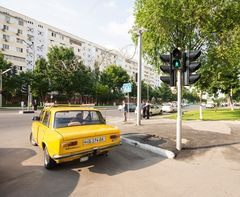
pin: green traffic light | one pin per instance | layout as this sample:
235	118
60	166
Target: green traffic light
176	63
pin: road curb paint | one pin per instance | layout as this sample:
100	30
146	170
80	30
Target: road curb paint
159	151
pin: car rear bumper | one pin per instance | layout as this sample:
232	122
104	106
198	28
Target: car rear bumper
85	152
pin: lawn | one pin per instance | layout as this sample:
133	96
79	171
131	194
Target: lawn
210	114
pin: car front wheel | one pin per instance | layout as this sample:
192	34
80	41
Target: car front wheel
48	161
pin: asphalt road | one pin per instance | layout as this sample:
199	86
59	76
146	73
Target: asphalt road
127	171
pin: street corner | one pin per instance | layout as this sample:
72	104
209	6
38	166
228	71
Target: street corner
150	142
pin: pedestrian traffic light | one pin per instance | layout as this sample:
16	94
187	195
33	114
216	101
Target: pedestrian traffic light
176	59
190	77
24	89
171	79
14	70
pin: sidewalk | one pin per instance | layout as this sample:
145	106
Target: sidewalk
196	135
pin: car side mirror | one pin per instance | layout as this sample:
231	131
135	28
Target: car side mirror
36	118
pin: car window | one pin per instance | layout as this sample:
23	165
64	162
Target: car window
77	118
46	119
41	115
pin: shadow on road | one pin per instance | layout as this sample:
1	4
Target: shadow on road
121	159
19	180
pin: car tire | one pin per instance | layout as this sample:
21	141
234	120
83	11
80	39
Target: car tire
32	141
49	163
150	114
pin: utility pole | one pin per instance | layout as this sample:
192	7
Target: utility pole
140	31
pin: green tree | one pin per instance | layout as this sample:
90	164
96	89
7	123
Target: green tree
190	25
41	79
114	77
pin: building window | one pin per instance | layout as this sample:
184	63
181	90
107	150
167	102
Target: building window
19	40
54	34
19	31
40	33
5	27
79	50
20	50
7	19
62	37
20	22
6	37
5	47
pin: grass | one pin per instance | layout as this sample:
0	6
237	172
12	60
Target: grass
210	114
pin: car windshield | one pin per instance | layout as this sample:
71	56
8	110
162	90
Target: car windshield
77	118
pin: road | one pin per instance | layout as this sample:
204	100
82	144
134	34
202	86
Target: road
127	171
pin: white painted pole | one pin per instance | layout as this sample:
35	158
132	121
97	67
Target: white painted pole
139	77
200	107
179	112
0	88
128	108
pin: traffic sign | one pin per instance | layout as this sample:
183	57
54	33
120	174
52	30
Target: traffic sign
127	87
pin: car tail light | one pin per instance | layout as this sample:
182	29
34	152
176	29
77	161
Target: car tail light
114	137
67	144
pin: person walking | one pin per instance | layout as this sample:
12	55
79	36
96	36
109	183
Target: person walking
125	110
144	108
147	106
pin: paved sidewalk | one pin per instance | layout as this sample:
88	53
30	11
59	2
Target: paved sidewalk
196	135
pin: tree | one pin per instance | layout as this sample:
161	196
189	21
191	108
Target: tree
190	25
41	79
114	77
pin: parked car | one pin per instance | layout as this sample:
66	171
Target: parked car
132	107
155	110
66	133
210	105
120	107
167	107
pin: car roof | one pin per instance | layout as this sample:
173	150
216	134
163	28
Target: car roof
62	107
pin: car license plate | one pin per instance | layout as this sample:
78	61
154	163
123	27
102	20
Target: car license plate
94	140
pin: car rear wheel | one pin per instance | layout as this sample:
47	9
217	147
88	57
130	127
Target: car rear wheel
48	161
32	141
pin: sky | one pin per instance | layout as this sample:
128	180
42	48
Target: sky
105	22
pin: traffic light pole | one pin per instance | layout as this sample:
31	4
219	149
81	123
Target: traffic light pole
179	111
139	77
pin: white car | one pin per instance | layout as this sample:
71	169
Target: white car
120	107
210	105
167	107
155	110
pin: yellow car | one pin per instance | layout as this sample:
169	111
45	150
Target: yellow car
67	133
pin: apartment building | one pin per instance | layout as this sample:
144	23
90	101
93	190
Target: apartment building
24	40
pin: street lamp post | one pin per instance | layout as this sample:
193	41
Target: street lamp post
29	88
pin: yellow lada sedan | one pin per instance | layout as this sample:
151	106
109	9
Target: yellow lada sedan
69	133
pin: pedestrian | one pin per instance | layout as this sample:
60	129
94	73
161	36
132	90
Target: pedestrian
35	105
144	108
125	109
147	106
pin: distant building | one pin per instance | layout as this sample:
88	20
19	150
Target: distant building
24	40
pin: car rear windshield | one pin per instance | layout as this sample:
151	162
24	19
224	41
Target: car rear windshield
77	118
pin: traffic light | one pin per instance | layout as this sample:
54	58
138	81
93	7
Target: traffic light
171	79
14	70
191	66
176	59
24	89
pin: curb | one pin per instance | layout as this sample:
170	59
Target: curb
159	151
26	111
